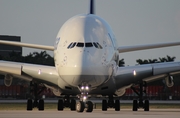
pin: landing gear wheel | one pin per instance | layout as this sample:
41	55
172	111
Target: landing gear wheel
73	105
117	105
41	105
135	105
146	105
89	106
80	106
104	105
29	105
60	105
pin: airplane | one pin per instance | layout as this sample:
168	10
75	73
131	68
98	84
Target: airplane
86	58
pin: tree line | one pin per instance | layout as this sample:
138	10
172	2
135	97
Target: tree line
45	59
150	61
35	58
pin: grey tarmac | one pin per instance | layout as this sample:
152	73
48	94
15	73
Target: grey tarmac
97	113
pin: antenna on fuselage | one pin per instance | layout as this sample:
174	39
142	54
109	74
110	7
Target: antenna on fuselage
91	7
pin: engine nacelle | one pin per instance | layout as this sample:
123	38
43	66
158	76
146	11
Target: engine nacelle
169	81
120	92
56	91
8	80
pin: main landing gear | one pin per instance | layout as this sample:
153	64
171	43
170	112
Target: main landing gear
140	103
35	103
66	103
83	104
110	104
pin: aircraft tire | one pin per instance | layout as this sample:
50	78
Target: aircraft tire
135	105
104	105
89	106
146	105
41	105
73	105
117	105
80	106
29	105
60	105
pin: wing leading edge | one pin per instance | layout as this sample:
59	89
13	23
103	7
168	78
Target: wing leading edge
29	72
123	49
44	47
149	72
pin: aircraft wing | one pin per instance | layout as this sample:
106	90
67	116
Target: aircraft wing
126	76
29	72
123	49
14	43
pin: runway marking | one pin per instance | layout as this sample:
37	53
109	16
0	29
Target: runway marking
124	113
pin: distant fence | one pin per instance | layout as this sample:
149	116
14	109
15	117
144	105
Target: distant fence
153	93
156	93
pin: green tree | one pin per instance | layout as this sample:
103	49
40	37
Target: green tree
121	63
150	61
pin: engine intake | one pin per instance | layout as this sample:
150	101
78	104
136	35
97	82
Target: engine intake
8	80
169	81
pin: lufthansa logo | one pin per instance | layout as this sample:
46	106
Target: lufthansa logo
56	43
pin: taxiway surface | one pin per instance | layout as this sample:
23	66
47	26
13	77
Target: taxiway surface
124	113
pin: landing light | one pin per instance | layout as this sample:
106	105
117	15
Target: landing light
87	88
39	72
84	98
134	72
82	87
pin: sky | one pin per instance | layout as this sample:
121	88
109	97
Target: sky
134	22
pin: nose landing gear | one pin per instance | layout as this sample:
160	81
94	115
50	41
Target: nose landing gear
83	103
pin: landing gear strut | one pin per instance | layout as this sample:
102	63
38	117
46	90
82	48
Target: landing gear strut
110	104
35	102
140	103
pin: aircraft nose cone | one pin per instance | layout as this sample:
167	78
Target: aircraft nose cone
81	68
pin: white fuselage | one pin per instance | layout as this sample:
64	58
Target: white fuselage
85	51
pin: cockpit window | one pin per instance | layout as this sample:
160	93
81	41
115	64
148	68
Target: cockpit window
95	45
80	44
71	45
88	45
99	45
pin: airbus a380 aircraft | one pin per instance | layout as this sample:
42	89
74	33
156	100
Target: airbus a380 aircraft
86	58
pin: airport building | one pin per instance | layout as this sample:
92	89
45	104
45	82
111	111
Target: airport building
6	49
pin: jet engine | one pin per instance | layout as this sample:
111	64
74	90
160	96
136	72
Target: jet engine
120	92
169	81
56	91
8	80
